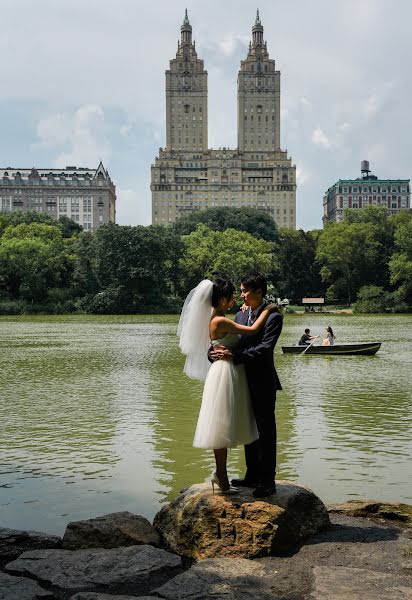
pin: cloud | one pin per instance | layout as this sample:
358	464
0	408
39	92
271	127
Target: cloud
132	208
319	138
232	42
82	133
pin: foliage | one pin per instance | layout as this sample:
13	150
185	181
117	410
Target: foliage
347	254
374	299
126	269
401	262
256	222
298	274
232	253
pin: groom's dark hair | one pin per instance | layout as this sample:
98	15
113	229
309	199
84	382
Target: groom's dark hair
222	288
255	281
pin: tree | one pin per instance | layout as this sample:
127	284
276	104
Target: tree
348	255
127	269
256	222
34	258
400	264
231	253
299	274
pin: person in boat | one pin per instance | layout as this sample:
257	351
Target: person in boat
306	338
329	338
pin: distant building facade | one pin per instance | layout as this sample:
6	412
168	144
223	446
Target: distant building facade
188	176
368	190
88	196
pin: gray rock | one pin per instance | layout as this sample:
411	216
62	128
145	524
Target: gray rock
343	583
110	531
200	524
94	596
14	542
132	570
227	579
20	588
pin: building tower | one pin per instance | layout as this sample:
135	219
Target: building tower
186	97
258	97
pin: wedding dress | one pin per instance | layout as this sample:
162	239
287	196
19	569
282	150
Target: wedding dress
226	417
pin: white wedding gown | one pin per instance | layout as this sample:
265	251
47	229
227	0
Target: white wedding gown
226	417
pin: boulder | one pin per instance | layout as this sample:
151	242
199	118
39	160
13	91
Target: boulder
110	531
228	579
20	588
391	511
14	542
133	570
341	583
200	524
96	596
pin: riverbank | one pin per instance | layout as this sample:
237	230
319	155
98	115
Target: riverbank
366	557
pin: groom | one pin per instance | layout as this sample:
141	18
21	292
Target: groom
256	353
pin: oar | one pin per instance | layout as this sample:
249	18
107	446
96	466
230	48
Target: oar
307	348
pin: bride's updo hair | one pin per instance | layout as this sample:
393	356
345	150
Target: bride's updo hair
222	288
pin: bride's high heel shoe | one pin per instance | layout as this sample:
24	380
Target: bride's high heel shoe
215	481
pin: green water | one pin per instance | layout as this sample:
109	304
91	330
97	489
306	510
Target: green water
97	416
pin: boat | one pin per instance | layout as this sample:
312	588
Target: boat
365	348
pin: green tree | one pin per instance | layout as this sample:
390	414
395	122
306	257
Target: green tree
127	269
348	254
256	222
230	252
34	258
401	262
299	274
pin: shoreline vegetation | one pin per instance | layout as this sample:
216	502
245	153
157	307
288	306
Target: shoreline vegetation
362	264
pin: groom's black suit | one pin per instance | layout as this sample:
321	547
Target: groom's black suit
256	353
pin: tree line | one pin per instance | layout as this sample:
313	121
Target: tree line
54	266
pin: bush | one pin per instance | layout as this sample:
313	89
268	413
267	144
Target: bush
374	299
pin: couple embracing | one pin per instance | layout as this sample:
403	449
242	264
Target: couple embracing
235	359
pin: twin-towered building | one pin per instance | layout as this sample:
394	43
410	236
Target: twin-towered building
188	175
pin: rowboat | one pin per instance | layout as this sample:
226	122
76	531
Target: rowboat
341	349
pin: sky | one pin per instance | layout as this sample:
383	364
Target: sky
84	80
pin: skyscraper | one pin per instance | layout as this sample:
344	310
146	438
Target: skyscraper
188	176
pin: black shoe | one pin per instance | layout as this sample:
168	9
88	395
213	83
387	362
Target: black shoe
264	490
244	483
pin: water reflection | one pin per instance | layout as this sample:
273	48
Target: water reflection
97	416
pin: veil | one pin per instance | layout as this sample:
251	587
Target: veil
193	330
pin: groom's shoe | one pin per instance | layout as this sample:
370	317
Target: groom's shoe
265	489
244	483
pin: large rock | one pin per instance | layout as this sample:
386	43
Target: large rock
20	588
94	596
232	579
14	542
200	524
110	531
341	583
390	511
133	570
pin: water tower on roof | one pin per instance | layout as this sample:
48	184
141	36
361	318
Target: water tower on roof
365	169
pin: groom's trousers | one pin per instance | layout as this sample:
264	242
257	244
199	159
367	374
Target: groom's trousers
260	455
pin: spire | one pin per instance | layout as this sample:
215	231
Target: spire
257	31
186	31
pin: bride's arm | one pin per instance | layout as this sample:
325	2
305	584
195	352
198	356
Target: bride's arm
225	325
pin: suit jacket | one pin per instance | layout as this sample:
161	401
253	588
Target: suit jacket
256	353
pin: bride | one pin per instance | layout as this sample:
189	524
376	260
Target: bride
226	418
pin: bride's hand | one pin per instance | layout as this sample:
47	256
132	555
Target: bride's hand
271	307
244	308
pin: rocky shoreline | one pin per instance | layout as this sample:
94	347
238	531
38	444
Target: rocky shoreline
204	546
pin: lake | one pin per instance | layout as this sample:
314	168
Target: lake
97	416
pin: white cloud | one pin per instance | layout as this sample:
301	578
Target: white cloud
302	175
83	132
231	42
132	208
319	138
